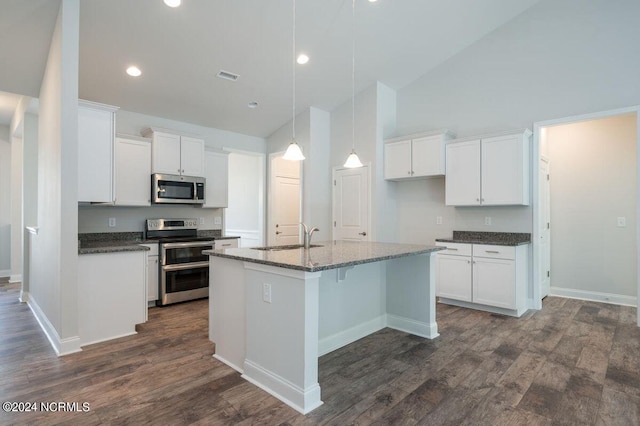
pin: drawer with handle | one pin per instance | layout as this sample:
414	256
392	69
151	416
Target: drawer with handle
459	249
226	243
497	252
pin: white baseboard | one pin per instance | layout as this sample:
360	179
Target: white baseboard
419	328
17	278
479	307
24	296
93	342
65	346
350	335
227	362
5	273
301	400
594	296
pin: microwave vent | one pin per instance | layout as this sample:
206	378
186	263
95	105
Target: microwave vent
227	75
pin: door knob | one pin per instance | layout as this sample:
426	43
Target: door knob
364	234
278	232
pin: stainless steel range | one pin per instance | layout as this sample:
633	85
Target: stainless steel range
183	269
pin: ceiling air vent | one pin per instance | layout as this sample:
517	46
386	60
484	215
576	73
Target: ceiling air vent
227	75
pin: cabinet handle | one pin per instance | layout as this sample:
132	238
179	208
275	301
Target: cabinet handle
482	199
364	234
478	199
412	172
225	245
468	261
278	232
409	172
452	249
492	251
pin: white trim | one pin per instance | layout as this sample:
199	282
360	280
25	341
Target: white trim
93	342
248	237
537	127
229	363
419	328
301	400
33	229
65	346
5	273
486	308
16	278
594	296
24	296
350	335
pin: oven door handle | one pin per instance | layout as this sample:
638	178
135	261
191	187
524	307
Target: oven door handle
182	266
187	244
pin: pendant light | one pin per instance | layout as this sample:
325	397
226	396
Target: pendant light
352	160
293	152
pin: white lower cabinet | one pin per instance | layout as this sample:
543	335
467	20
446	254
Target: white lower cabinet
226	243
483	277
152	272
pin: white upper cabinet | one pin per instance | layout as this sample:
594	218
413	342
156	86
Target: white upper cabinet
132	171
176	154
217	174
491	171
96	132
415	156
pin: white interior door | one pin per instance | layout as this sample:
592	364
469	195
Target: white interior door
545	229
284	201
351	204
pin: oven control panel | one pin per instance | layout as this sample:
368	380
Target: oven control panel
168	224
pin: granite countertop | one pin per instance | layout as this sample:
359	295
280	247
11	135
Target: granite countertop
492	238
113	242
330	254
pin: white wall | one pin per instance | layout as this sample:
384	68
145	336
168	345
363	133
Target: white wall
53	278
593	182
5	202
312	131
16	208
375	115
560	58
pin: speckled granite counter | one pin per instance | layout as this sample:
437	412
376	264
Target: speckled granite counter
492	238
331	254
112	242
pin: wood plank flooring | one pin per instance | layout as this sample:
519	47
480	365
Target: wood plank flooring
573	363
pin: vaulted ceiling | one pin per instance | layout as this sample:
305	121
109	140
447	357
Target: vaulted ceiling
180	50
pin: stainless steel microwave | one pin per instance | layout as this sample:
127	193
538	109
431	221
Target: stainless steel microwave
174	189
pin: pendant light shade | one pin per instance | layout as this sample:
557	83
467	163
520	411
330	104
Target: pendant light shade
293	152
352	160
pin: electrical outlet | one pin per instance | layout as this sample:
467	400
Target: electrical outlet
487	220
622	222
112	222
438	220
202	221
266	292
217	220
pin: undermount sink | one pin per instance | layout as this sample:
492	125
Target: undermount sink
287	247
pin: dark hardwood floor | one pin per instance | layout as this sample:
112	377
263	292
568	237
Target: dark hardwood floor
573	362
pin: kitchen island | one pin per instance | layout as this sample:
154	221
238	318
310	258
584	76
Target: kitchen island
273	312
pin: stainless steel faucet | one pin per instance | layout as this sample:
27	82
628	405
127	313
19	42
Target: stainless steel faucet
307	234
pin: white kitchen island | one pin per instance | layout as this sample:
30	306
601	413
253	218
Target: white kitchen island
272	313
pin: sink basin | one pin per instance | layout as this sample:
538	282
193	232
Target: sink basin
287	247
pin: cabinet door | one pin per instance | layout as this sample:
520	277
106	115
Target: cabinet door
217	175
494	282
453	277
462	185
95	154
504	173
397	160
192	156
427	156
132	172
165	153
152	278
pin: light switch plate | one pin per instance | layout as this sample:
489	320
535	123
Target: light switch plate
266	292
622	222
487	220
438	220
202	221
112	222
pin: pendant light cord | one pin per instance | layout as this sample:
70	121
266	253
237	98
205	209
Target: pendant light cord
353	75
293	61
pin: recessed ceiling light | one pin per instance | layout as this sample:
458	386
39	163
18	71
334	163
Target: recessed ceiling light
302	59
134	71
253	105
372	1
172	3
